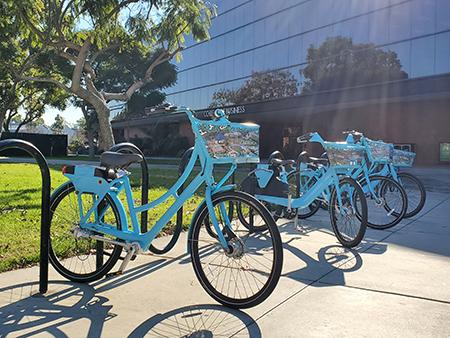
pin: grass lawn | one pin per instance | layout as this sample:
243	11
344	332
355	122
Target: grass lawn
20	196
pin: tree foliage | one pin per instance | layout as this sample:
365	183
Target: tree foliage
58	126
118	69
68	38
260	87
339	63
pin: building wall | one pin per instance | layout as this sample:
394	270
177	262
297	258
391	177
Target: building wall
424	124
264	35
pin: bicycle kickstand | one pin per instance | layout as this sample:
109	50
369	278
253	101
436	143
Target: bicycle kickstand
131	252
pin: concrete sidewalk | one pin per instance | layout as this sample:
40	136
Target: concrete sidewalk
396	284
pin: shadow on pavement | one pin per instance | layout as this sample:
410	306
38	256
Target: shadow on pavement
332	258
21	310
202	321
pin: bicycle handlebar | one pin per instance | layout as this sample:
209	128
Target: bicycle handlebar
352	132
304	138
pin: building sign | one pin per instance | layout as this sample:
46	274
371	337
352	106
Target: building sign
444	152
228	111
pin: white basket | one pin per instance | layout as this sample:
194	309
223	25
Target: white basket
402	158
379	151
344	156
232	142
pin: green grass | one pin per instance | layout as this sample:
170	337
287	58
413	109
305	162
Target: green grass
20	201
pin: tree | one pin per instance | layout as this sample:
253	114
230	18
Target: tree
89	125
21	98
31	101
76	34
58	126
339	63
260	87
117	69
33	125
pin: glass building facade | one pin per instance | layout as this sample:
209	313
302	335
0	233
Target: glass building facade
268	35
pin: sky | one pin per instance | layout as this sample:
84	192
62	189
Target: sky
71	114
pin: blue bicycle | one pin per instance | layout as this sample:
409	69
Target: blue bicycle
347	204
413	187
239	266
386	199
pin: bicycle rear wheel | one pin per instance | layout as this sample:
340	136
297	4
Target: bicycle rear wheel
348	226
247	273
80	259
387	204
415	191
306	182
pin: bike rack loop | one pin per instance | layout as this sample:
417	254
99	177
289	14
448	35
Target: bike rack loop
183	163
131	148
45	204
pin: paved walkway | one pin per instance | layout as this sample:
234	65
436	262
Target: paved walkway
396	284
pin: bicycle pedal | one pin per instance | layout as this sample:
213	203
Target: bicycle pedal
114	274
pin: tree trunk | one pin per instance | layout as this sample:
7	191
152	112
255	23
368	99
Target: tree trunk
2	119
90	138
105	135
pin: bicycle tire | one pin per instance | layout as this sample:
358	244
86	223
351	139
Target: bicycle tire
397	216
197	254
273	209
55	200
313	207
423	194
360	213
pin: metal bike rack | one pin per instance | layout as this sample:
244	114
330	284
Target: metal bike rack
131	148
45	204
183	163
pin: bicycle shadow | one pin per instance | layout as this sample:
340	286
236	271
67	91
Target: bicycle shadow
200	321
21	311
333	258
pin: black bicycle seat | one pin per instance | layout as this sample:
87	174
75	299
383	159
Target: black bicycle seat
277	162
318	159
111	159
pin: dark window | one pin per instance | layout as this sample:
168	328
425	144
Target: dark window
400	22
444	152
443	53
422	57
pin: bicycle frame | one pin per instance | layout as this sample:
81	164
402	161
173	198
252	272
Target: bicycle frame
83	183
329	178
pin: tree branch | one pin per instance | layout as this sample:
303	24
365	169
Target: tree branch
116	9
79	66
126	95
44	79
87	66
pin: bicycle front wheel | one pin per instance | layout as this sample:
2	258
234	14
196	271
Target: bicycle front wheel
80	259
348	212
247	272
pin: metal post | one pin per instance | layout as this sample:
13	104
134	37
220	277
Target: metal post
183	163
131	148
45	204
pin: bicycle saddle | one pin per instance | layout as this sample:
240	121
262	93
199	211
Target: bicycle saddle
318	159
278	162
111	159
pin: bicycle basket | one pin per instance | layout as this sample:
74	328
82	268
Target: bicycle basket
402	158
230	142
344	155
379	151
